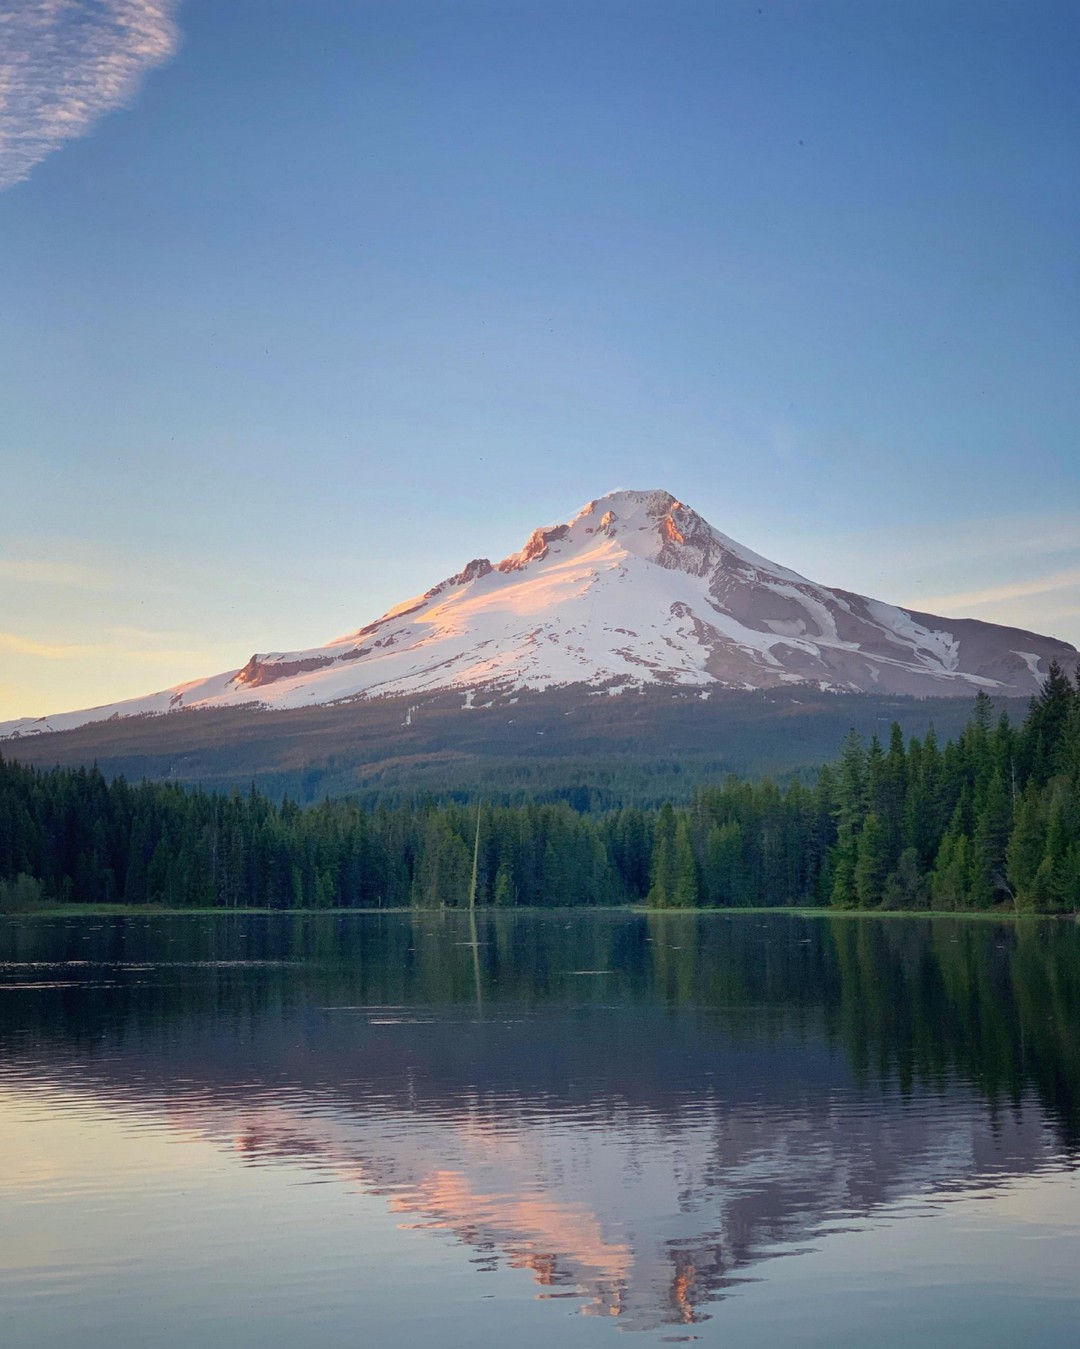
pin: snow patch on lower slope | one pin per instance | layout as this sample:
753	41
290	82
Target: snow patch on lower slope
939	646
1031	660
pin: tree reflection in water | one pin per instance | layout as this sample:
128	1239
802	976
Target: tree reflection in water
638	1109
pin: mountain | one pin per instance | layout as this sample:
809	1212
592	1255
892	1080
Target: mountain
637	589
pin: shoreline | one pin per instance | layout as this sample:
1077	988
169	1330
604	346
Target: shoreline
54	911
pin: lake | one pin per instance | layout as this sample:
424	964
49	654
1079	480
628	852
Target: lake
367	1129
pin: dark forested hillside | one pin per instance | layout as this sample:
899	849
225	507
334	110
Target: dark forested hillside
991	818
587	748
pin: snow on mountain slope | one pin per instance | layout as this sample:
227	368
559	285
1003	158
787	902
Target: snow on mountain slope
636	588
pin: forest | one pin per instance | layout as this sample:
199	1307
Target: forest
990	820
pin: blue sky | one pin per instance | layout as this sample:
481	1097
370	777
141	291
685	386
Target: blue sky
325	298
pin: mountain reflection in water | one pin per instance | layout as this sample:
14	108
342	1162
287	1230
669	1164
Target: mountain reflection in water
638	1111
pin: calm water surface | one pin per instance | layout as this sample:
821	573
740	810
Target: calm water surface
366	1129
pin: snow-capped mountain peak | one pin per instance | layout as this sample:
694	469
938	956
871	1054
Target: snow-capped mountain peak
637	588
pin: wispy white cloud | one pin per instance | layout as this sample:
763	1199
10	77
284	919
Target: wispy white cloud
64	64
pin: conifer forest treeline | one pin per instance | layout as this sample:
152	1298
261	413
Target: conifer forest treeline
989	820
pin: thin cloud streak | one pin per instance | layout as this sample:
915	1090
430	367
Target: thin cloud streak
64	64
26	646
1016	590
116	649
36	572
1003	540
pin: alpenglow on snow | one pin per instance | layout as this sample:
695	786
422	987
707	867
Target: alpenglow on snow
636	589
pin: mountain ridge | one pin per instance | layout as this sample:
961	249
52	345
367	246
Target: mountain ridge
636	589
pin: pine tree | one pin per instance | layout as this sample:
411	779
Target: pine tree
684	890
843	893
1027	844
723	871
850	811
1052	879
663	871
871	863
906	887
990	842
1043	740
949	879
893	794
